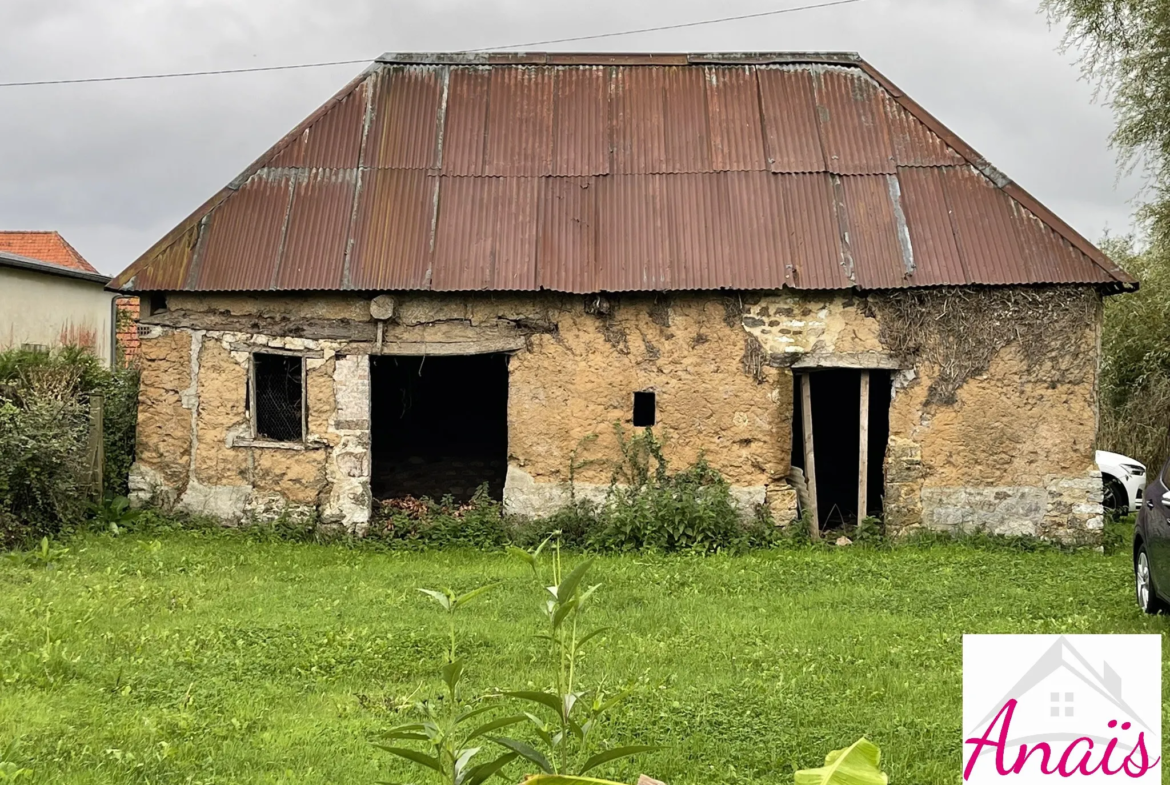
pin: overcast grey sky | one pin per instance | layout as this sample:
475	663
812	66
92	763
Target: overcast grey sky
114	166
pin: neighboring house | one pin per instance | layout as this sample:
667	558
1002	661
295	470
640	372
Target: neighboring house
469	268
45	305
52	248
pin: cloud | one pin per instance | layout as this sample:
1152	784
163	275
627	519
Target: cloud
115	166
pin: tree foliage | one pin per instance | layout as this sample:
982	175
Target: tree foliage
1135	366
1125	46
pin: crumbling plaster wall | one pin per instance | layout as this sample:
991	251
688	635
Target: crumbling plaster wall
1013	453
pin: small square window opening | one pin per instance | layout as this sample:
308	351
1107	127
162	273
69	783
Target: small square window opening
278	397
156	303
645	413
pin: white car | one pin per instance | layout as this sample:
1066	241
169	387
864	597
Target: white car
1124	478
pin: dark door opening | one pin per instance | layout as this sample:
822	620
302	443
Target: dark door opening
836	427
439	425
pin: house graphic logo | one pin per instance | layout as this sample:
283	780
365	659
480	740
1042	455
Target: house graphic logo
1049	708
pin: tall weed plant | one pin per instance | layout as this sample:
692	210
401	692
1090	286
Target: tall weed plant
650	507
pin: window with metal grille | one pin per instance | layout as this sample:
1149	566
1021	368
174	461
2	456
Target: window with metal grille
278	383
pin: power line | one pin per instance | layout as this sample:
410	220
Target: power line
672	27
178	75
182	74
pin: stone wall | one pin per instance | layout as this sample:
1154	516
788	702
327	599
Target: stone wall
1013	453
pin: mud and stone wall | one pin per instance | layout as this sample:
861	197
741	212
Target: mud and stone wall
1011	452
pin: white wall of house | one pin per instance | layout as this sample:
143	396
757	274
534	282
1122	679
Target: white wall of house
50	310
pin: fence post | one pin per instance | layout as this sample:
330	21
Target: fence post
96	448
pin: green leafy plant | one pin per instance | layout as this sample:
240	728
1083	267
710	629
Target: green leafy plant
114	514
10	770
566	717
648	506
858	764
45	555
450	726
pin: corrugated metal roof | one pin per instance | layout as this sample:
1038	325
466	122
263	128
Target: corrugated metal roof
584	173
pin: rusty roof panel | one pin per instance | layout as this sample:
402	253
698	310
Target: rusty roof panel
737	137
519	134
685	129
985	230
170	268
566	251
915	144
632	241
408	105
814	232
581	122
853	125
392	232
698	215
639	124
878	237
791	128
486	234
932	236
1054	259
465	133
758	224
318	225
245	235
333	141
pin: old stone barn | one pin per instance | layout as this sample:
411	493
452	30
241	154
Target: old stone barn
467	269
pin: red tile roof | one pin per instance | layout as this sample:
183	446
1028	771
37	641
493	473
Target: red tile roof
587	173
48	247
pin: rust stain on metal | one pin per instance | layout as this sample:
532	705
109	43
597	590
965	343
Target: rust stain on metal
392	231
586	173
853	126
789	109
567	236
581	137
243	238
928	216
407	107
315	242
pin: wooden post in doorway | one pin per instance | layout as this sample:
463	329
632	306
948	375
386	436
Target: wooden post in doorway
810	463
863	452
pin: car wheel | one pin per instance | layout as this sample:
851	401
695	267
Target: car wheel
1114	498
1147	598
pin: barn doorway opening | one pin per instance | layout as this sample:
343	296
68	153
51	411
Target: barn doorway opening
439	426
849	414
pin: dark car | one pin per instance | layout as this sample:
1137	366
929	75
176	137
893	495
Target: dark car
1151	545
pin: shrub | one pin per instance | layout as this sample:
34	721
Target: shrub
649	507
42	444
120	427
44	430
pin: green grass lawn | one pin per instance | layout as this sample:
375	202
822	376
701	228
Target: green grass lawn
211	658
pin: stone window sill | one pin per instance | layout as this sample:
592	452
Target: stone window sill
270	445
